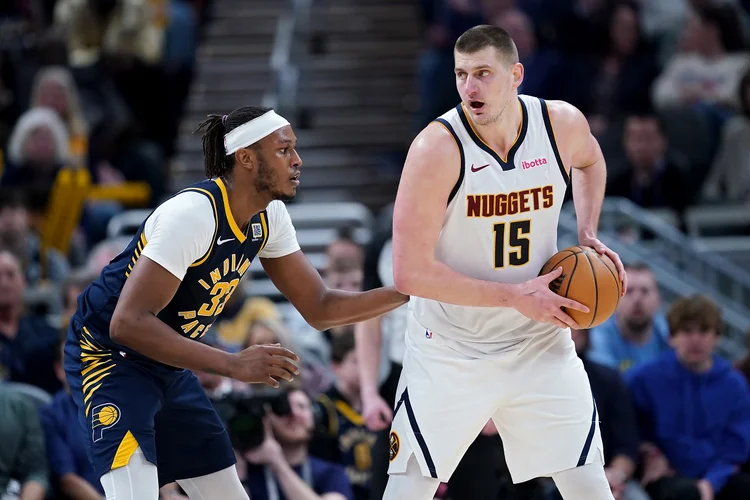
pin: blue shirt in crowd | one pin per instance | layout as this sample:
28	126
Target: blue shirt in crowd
65	439
700	421
609	348
325	477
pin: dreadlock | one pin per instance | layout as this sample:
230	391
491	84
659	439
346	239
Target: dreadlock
217	162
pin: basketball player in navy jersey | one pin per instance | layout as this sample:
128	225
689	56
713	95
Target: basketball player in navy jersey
132	343
475	219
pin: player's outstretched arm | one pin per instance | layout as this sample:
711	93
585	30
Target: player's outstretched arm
147	291
580	149
323	307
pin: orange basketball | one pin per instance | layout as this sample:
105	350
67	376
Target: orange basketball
589	278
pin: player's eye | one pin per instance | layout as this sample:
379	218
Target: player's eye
484	72
284	150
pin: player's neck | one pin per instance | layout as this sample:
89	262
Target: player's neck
244	203
295	454
501	134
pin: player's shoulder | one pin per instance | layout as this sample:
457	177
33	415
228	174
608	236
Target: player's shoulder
189	208
436	140
276	207
564	113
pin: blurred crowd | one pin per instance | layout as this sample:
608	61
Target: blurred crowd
98	86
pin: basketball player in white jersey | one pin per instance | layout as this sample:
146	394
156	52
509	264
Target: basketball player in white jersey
475	219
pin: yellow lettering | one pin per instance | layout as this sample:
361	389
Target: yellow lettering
215	276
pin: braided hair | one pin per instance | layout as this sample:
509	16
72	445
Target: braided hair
217	162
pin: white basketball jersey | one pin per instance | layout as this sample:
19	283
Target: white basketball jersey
500	225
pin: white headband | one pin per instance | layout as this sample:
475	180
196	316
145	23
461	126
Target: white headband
253	131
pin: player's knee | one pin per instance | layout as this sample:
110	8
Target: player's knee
588	482
221	485
139	479
411	484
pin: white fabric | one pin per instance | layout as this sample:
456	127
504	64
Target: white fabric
179	232
171	245
588	482
251	132
467	242
282	239
222	485
411	485
539	398
136	481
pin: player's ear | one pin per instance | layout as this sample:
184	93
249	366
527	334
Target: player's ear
246	158
518	72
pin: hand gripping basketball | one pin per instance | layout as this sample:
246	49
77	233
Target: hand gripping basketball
541	304
264	364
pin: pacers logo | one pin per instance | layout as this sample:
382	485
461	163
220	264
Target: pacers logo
394	444
103	417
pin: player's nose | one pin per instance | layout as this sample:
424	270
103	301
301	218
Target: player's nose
296	159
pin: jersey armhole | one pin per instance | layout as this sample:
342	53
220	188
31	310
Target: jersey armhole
552	141
216	223
460	180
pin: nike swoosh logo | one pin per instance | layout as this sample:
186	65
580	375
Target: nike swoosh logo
219	241
477	169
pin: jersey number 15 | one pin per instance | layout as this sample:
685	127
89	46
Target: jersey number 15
518	243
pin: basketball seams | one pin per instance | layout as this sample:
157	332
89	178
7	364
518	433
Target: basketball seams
614	276
572	273
596	290
559	262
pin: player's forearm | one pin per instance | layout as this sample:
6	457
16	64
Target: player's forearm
74	486
369	339
151	337
437	281
293	486
588	195
339	308
33	490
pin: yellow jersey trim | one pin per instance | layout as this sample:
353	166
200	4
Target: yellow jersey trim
235	228
216	225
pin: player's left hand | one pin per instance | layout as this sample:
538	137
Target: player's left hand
616	481
605	250
269	452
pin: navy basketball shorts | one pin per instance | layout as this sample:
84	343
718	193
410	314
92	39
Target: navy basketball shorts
126	402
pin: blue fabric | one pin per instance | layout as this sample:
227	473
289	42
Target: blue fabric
700	421
327	477
65	438
609	348
29	356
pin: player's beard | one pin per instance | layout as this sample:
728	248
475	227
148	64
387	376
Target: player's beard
499	115
267	182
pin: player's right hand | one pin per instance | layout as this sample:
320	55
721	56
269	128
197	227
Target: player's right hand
376	412
536	301
264	364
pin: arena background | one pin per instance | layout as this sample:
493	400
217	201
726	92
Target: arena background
99	100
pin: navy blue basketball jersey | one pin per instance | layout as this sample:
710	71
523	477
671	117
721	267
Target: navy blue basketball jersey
205	288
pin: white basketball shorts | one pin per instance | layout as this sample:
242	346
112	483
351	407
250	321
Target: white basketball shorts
538	396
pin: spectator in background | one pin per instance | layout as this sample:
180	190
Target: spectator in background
607	86
709	63
543	73
729	178
55	89
694	412
216	386
281	468
37	148
16	235
75	284
27	342
651	177
348	441
618	424
71	472
23	463
637	332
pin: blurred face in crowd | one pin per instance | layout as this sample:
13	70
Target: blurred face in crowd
519	27
638	306
295	428
12	283
486	81
261	334
623	31
39	147
698	36
349	280
645	144
347	372
14	220
52	95
694	346
344	250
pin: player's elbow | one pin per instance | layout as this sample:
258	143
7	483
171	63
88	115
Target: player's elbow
405	279
120	327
